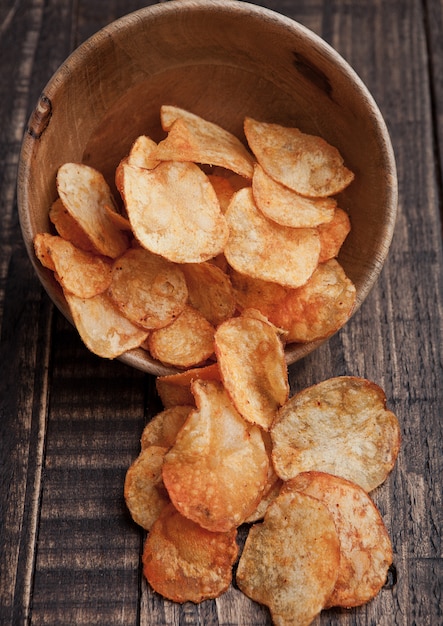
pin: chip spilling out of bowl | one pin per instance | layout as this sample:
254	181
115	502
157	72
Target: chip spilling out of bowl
204	228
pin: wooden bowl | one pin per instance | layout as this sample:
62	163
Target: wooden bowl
222	60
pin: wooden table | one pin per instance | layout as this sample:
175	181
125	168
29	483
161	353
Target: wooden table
70	422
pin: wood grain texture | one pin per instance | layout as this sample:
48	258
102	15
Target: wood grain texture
70	422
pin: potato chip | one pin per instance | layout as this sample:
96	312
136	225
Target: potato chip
101	326
223	188
192	138
263	249
187	341
285	206
81	273
210	291
216	471
174	211
365	546
67	227
340	426
253	368
333	235
184	562
290	561
272	487
149	290
85	193
141	152
305	163
162	429
255	293
175	389
120	221
144	491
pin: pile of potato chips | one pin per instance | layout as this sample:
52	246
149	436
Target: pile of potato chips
202	229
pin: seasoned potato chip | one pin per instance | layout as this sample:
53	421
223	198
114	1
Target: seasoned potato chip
255	293
79	272
175	389
290	561
210	291
85	194
285	206
101	326
253	368
263	249
141	151
162	429
184	562
223	188
192	138
120	221
333	234
144	491
216	471
174	211
187	341
68	228
340	426
272	487
305	163
149	290
365	547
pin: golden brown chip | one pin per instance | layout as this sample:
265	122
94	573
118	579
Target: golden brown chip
186	342
120	221
141	151
216	471
285	206
254	293
79	272
67	227
223	188
305	163
263	249
149	290
85	194
184	562
253	368
174	211
210	291
365	547
333	234
144	491
192	138
162	429
101	326
290	561
340	426
175	389
272	487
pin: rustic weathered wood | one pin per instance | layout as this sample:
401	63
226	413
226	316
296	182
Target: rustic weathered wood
70	422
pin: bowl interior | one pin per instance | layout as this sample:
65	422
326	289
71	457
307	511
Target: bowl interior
223	61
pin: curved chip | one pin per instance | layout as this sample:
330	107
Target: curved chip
223	188
184	562
149	290
216	471
68	228
272	487
210	291
255	293
285	206
175	389
263	249
174	211
163	428
141	152
290	561
305	163
253	368
340	426
365	546
333	235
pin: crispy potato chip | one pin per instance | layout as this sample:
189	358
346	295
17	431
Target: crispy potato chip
255	293
174	211
263	249
192	138
184	562
253	368
216	471
290	561
120	221
210	291
305	163
175	389
223	188
149	290
187	341
68	228
141	151
272	487
365	546
144	491
333	234
101	326
162	429
85	193
285	206
340	426
79	272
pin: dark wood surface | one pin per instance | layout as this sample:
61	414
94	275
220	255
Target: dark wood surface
70	422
